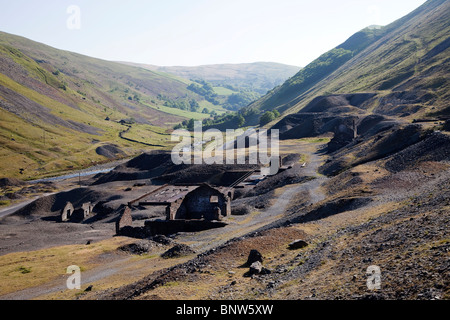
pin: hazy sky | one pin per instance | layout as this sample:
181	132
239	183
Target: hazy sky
195	32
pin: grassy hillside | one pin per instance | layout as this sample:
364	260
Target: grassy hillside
232	86
58	108
405	63
321	67
258	77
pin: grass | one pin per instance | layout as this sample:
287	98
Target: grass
23	270
86	90
319	140
178	112
23	144
148	134
399	58
5	203
221	91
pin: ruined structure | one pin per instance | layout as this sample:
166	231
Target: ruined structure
203	202
87	209
343	135
125	220
191	202
67	212
189	207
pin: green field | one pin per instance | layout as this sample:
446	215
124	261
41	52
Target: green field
221	91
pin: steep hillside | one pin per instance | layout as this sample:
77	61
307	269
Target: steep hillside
405	64
60	110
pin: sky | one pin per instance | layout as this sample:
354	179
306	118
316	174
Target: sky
198	32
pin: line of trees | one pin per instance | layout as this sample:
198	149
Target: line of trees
182	104
204	89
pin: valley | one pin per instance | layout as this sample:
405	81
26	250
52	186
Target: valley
363	181
60	110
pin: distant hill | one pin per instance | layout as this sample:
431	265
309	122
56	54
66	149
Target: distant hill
405	65
259	76
58	108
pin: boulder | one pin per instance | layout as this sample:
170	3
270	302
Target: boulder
297	244
254	256
255	268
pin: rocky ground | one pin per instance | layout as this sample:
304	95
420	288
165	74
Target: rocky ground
392	212
410	244
403	230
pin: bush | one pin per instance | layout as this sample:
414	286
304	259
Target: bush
267	117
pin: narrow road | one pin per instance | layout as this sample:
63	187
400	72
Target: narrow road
13	208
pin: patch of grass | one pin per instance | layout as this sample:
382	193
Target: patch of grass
172	284
5	203
24	270
320	140
181	113
148	134
21	270
302	262
221	91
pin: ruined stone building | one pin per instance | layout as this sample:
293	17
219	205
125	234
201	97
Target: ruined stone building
189	207
203	202
192	202
69	213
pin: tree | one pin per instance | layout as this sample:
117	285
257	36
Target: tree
266	118
190	125
194	106
240	121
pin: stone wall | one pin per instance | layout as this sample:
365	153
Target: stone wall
125	220
67	212
203	203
